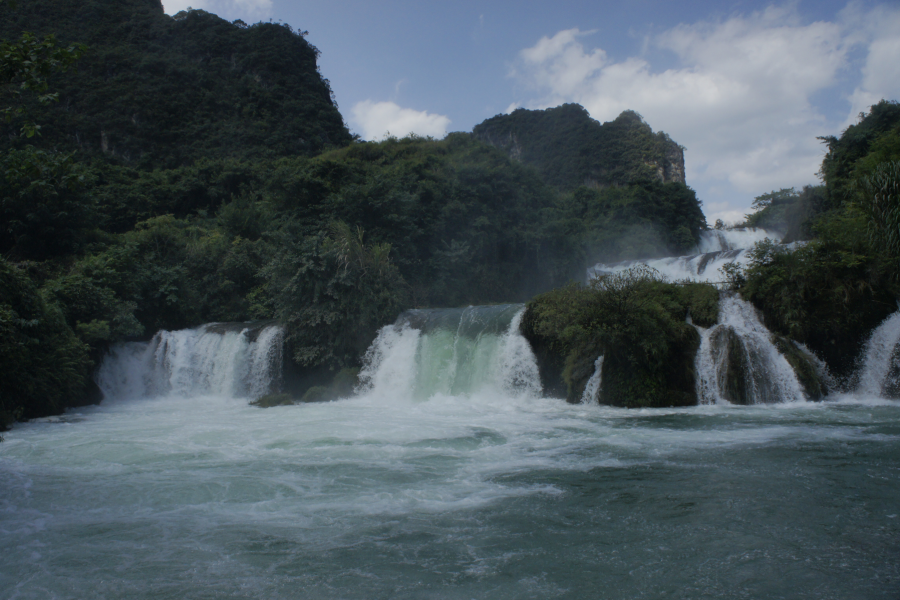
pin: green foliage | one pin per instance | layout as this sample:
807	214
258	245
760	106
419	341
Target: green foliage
880	201
332	293
46	206
774	198
154	91
25	66
861	147
637	322
43	366
620	223
789	212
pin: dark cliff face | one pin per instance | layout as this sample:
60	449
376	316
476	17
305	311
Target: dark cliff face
155	91
571	149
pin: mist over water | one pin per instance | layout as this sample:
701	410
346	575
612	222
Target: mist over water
716	249
427	485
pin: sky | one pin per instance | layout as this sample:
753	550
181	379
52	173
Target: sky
745	86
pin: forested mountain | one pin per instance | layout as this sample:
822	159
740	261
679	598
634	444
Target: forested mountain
155	91
571	149
195	170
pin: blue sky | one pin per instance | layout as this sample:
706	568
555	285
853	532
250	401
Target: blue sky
745	86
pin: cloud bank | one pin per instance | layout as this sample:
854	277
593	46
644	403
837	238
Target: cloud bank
375	120
741	96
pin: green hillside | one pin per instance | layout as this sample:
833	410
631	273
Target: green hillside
155	91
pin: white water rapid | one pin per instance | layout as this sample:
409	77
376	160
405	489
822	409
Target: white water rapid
738	363
448	475
452	352
225	359
716	248
880	371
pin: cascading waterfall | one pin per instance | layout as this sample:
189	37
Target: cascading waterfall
452	352
880	371
225	359
716	248
592	389
738	363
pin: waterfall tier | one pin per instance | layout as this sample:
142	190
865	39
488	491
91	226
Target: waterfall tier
225	359
453	352
879	374
738	362
716	249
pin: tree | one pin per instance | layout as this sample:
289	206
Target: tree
782	196
880	200
25	66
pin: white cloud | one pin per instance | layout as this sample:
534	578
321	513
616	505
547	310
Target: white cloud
881	72
740	98
377	119
252	9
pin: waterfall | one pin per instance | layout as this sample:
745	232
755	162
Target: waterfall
226	359
453	352
738	363
723	240
879	374
716	248
591	393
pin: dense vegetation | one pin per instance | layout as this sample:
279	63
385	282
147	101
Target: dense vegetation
153	91
637	322
189	170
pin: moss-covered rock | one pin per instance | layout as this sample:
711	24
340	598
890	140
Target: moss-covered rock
670	382
637	321
734	369
342	385
804	367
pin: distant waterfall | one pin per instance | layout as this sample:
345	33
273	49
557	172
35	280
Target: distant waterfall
716	248
453	352
591	393
738	363
227	359
879	374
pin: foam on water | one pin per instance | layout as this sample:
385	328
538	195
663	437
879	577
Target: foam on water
488	493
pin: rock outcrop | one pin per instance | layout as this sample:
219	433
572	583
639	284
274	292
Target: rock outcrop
571	149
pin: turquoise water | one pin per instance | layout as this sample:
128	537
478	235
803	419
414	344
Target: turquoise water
480	496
